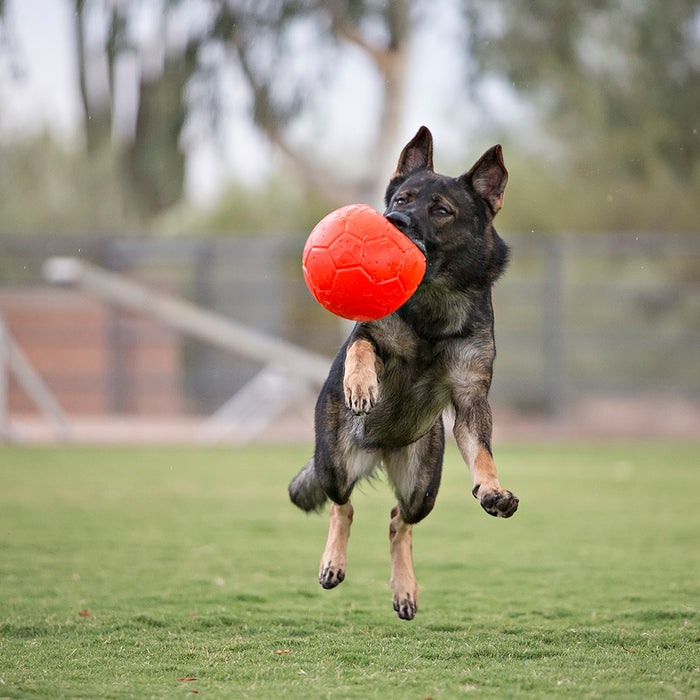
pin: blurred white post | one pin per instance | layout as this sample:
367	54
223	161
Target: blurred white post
246	414
15	361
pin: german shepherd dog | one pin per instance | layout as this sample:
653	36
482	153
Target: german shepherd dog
388	387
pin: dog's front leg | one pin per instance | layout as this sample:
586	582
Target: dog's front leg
360	381
472	431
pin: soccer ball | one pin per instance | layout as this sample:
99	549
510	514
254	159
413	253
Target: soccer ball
358	265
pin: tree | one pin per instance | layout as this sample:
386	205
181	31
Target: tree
616	80
260	37
146	142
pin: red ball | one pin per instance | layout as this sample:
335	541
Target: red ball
358	265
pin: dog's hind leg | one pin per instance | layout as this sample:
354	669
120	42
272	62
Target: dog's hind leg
335	558
415	472
338	475
404	587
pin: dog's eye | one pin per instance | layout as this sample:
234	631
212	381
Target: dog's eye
400	200
441	210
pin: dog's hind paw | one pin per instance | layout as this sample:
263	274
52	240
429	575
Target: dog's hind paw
405	606
497	502
330	576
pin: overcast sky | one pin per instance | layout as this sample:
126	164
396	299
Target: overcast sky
46	93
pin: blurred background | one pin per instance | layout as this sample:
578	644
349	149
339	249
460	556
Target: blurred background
191	145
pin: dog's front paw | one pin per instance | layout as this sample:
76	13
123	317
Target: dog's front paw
497	502
361	391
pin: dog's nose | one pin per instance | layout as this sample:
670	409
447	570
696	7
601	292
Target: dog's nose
401	221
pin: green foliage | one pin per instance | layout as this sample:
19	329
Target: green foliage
546	196
617	82
280	206
49	189
37	196
191	563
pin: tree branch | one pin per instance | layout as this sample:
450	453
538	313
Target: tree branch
329	186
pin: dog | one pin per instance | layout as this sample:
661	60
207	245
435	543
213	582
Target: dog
392	380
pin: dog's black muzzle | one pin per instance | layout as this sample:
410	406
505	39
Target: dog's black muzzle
403	223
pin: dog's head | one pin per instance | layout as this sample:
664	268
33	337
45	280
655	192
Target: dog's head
450	219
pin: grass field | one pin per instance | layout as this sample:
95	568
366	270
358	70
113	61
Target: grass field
126	571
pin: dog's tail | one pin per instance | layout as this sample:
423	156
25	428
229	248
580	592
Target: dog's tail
305	491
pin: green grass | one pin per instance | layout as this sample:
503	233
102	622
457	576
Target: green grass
192	563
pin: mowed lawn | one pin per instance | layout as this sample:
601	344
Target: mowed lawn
169	572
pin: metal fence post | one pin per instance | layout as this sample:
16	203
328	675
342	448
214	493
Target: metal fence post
4	384
116	389
553	326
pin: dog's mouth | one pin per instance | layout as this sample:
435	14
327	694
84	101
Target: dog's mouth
403	223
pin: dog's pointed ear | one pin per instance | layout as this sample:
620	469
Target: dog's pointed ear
488	178
417	154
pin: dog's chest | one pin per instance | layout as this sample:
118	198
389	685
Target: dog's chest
420	376
414	390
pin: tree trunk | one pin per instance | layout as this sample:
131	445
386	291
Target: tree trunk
392	65
97	121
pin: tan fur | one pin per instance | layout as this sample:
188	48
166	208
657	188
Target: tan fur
480	462
494	499
360	383
334	560
484	471
404	587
